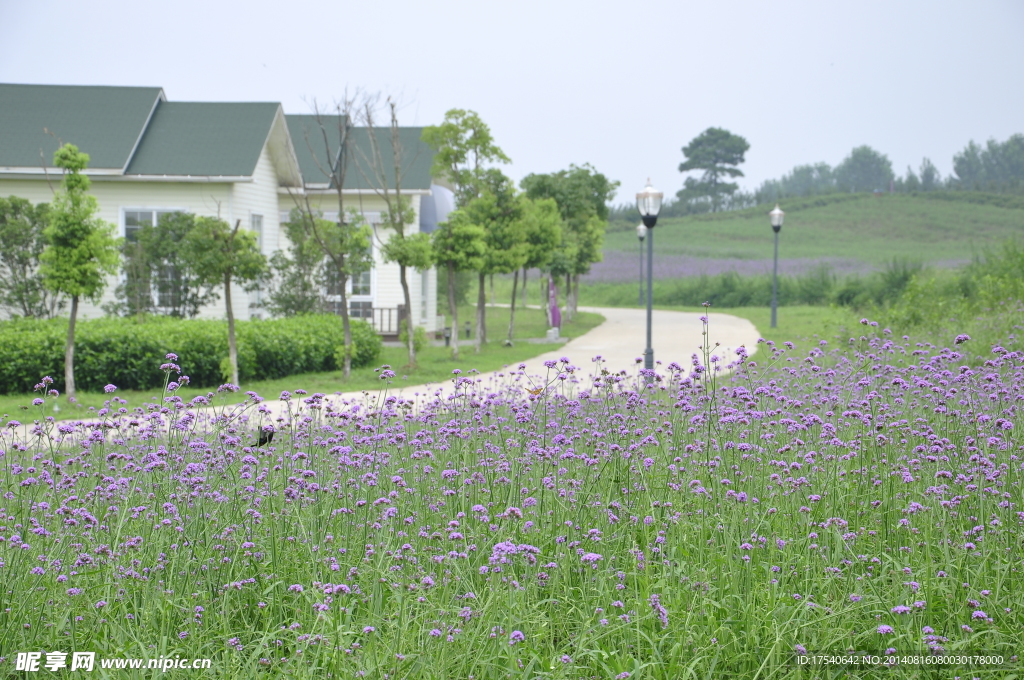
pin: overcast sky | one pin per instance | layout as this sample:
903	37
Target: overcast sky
620	85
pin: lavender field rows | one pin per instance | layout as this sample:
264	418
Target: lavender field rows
709	520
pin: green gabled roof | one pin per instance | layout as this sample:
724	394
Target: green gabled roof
417	157
104	122
204	139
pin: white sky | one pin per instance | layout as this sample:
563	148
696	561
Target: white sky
622	86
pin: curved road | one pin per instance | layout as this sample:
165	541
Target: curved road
620	341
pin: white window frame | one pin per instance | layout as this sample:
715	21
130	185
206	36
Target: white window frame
154	292
126	210
253	216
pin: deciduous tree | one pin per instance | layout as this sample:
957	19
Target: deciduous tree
997	166
541	228
582	196
81	250
345	243
458	245
223	256
22	291
406	247
864	170
498	210
155	264
464	148
299	277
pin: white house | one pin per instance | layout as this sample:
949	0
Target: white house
243	161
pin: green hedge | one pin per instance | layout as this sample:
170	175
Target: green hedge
128	352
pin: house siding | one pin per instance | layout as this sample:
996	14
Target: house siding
387	286
114	197
258	197
239	201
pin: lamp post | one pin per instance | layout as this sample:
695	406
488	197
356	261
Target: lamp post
648	202
776	219
641	232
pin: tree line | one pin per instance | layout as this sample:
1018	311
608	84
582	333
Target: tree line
182	262
716	155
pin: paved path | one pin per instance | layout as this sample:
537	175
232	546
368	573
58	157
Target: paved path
620	341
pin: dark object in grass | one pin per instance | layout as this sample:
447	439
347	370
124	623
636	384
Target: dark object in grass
266	436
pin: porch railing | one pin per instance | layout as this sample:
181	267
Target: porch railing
385	320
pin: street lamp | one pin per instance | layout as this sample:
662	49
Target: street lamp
648	202
776	218
641	232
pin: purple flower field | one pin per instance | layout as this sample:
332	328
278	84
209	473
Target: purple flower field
621	266
585	523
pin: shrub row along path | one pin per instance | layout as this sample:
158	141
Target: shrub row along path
619	341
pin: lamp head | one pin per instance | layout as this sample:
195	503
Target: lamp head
641	231
648	202
776	216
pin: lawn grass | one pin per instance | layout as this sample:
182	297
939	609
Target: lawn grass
873	229
434	364
795	324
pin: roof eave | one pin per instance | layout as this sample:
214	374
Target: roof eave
324	189
214	179
39	171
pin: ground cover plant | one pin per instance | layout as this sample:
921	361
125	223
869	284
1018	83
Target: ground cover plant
583	523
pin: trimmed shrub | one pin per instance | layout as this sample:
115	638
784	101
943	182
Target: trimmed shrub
366	346
128	352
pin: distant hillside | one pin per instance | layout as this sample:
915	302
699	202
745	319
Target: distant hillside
940	228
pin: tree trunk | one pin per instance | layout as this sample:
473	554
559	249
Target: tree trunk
410	336
575	293
454	309
346	325
568	297
232	347
481	298
525	270
69	351
512	314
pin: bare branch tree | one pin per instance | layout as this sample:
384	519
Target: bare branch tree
408	250
343	243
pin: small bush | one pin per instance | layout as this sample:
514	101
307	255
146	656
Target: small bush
419	337
366	346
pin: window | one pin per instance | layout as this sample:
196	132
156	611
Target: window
168	287
361	309
333	283
256	224
160	286
134	220
361	283
358	286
